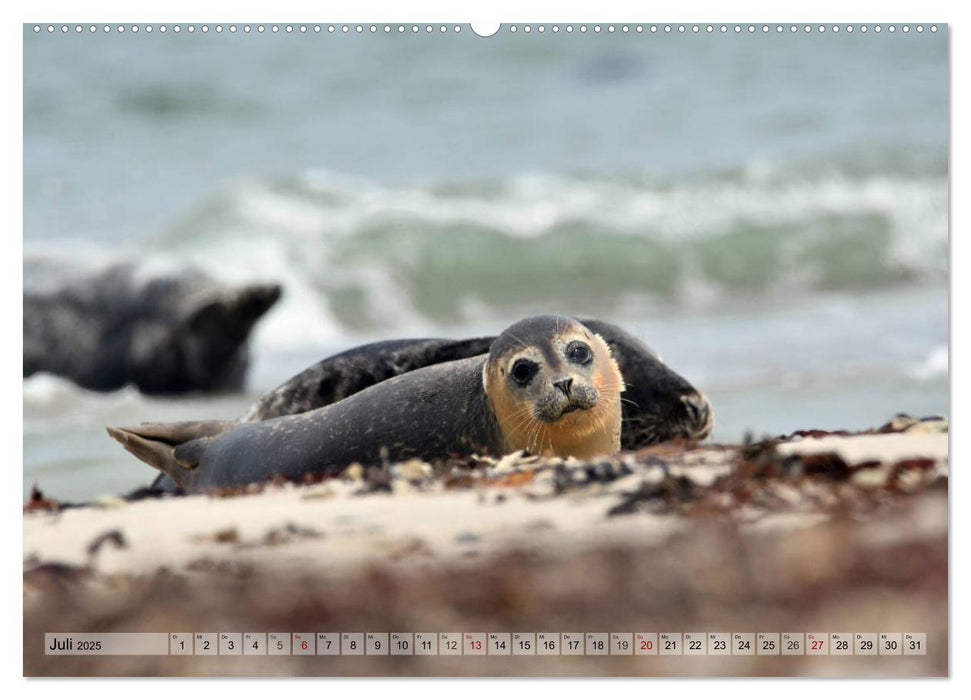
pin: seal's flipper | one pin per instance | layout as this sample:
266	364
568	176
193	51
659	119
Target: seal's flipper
182	431
172	448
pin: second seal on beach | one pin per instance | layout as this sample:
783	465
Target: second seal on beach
548	385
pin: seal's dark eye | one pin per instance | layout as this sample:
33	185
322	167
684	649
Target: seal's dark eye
523	371
579	353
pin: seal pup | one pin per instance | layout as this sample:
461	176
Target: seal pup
659	404
554	394
166	332
548	385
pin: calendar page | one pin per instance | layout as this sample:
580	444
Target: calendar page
546	349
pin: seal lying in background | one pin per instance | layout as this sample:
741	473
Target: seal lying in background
658	404
164	333
548	385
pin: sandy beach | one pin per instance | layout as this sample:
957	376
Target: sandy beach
827	532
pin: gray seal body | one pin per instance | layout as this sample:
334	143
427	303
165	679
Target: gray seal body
165	332
429	413
354	370
659	404
398	400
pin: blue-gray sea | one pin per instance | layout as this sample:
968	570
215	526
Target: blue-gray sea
768	211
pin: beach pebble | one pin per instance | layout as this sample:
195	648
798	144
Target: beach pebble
354	472
788	494
508	464
288	533
577	476
110	502
929	426
544	485
910	480
412	470
317	491
631	483
870	478
227	535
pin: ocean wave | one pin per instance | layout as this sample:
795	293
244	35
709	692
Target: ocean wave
935	365
50	403
48	397
356	257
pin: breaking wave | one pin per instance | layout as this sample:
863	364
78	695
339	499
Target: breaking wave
358	257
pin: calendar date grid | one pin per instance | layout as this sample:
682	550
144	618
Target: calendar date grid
490	644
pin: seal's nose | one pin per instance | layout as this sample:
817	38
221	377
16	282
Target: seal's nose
564	385
698	409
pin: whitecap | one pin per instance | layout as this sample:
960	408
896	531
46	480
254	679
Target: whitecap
933	366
